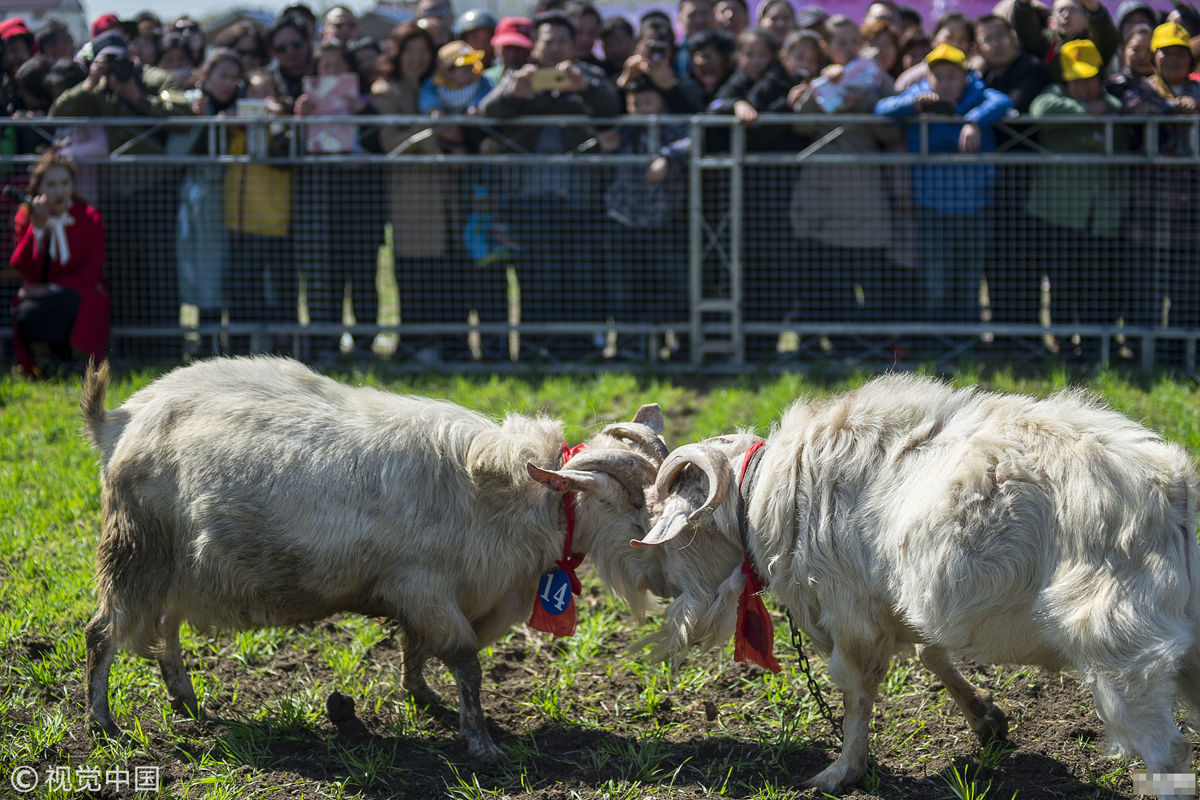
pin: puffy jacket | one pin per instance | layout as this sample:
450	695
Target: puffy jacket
962	189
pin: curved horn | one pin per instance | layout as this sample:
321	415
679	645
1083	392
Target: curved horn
641	435
709	461
632	470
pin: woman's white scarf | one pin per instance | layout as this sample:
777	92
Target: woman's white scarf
60	251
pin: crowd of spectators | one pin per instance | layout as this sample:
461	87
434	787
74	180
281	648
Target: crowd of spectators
852	241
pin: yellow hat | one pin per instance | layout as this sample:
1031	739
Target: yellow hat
1170	34
947	52
1080	59
459	54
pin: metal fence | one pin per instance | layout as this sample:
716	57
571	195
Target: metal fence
799	240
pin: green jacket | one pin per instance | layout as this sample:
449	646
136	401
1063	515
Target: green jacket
160	98
1083	197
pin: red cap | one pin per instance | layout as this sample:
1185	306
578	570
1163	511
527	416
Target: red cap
513	31
14	27
103	23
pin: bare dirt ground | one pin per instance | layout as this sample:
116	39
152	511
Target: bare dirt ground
708	739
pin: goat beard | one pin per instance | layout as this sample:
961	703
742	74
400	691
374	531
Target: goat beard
696	619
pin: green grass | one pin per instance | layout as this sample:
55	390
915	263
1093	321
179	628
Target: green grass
651	740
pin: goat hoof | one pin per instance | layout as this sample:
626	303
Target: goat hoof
488	758
110	731
424	696
993	726
836	777
188	707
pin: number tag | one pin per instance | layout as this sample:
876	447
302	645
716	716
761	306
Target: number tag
554	592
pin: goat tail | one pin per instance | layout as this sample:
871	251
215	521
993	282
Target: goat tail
102	428
91	402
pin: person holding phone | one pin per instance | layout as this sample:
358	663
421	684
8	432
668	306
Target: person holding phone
60	314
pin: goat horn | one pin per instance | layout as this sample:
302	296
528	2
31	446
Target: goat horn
709	461
642	435
632	470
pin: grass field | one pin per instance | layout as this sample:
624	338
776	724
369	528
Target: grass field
580	717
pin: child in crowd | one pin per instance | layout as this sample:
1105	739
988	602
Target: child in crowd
840	212
710	54
455	86
457	83
336	232
802	58
759	84
915	44
646	204
952	200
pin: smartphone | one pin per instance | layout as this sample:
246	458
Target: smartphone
944	107
546	80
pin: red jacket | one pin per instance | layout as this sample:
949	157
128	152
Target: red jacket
84	273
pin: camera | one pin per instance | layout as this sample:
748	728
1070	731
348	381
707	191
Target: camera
120	68
657	50
13	193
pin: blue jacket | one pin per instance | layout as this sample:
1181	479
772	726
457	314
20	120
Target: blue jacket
961	189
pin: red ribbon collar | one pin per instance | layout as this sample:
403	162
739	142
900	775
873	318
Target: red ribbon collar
569	563
755	637
553	607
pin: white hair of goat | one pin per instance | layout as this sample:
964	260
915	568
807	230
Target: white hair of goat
251	492
1001	528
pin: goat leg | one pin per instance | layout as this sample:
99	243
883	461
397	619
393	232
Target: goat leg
100	652
986	719
413	674
483	752
857	668
180	693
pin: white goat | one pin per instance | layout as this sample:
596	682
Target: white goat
252	492
999	528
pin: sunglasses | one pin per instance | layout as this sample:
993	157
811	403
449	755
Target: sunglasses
287	47
188	27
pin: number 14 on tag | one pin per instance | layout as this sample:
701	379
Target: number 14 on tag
554	591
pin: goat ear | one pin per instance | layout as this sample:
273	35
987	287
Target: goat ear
597	483
554	481
668	528
651	416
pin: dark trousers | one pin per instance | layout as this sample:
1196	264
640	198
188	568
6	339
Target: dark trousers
951	250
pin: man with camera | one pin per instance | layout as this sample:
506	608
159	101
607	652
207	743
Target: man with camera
116	87
138	200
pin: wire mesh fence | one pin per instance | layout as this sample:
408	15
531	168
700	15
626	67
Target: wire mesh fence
797	240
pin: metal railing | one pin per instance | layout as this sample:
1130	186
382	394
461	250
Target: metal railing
575	291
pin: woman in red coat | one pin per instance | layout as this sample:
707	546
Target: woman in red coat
61	314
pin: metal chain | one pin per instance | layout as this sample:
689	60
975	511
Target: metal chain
813	688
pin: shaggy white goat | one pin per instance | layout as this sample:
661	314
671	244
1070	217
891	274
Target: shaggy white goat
251	492
999	528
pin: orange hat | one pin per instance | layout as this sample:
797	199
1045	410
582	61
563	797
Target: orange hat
1080	59
1170	34
947	52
